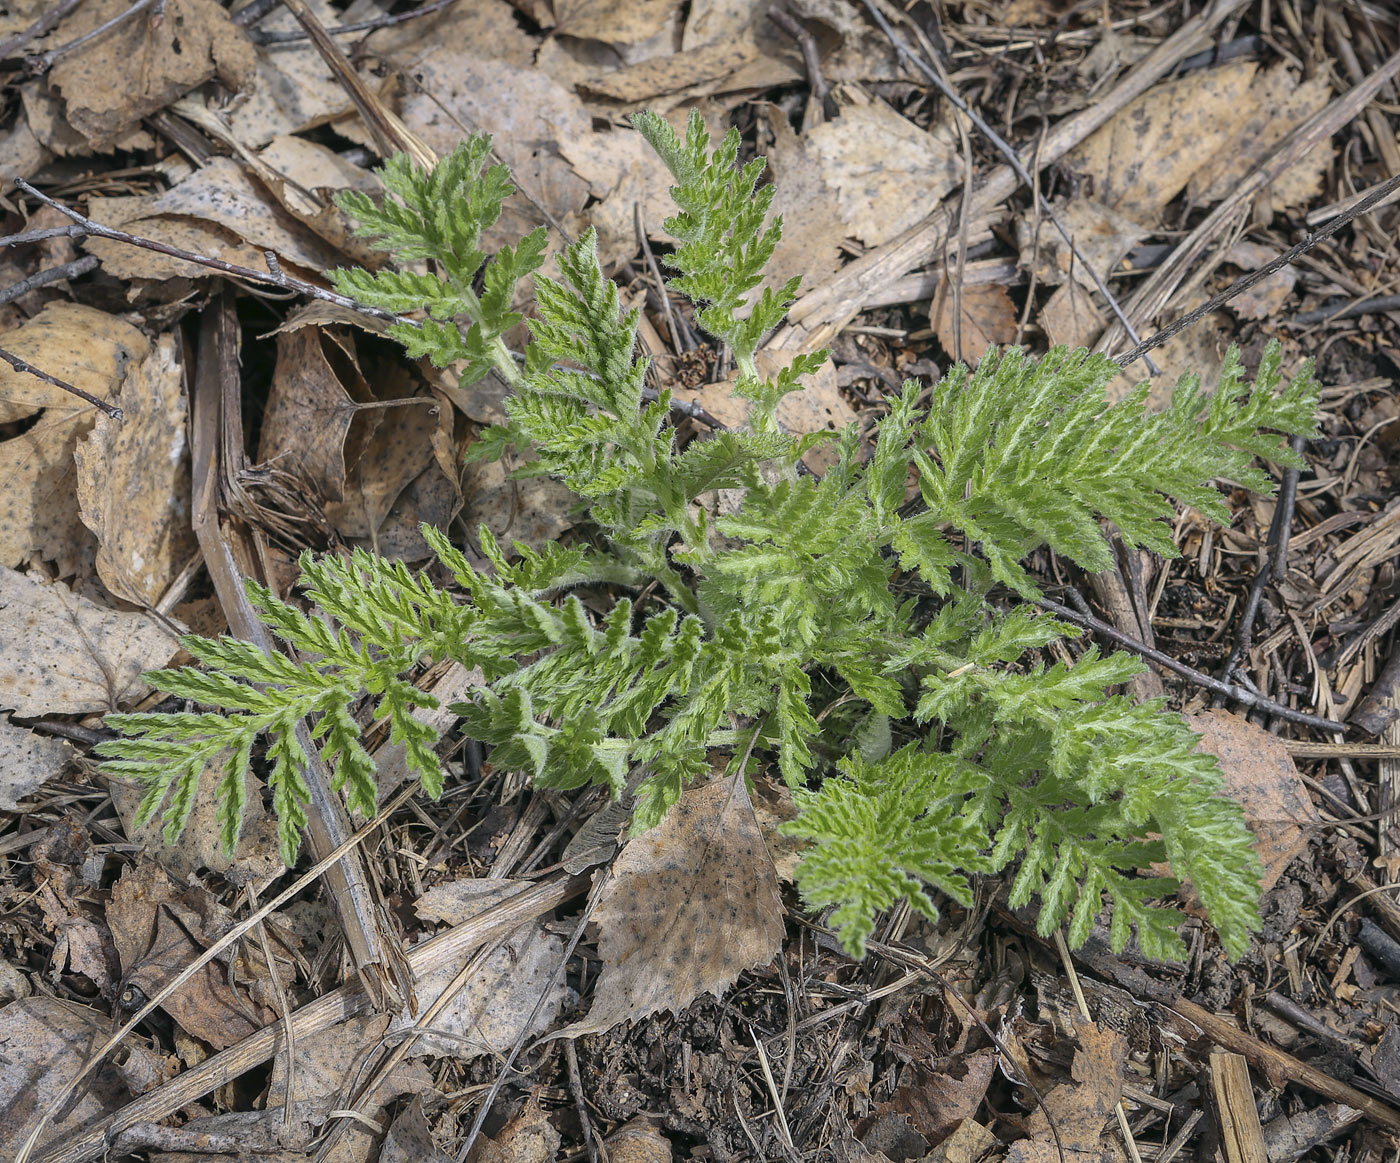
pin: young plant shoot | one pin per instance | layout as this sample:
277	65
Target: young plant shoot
870	643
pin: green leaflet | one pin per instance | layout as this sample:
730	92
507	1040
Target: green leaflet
810	619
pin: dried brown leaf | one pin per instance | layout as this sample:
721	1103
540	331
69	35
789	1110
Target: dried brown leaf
64	654
1268	297
886	171
1280	102
1262	776
937	1100
330	1066
458	91
294	89
616	22
1101	235
27	762
46	1042
90	350
692	903
501	1002
410	1139
1144	156
1080	1108
158	930
257	858
529	1137
134	482
724	66
144	63
988	320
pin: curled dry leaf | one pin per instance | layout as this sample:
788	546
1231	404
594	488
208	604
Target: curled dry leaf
159	929
134	482
38	508
144	63
64	654
691	904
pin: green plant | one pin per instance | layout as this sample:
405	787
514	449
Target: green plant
819	618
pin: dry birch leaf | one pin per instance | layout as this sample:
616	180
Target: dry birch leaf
886	171
27	762
65	655
1262	776
692	903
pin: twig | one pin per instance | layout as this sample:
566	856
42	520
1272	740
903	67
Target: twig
1012	159
1347	310
69	270
811	59
28	236
1274	569
42	62
263	36
276	279
1230	690
38	28
27	368
661	294
1243	284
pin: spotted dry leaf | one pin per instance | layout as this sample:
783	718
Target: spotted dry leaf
886	170
134	482
1146	153
38	510
62	654
692	903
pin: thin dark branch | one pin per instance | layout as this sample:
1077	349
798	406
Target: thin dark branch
27	368
74	231
1280	530
276	278
69	270
1230	690
38	28
42	62
811	58
250	14
1241	285
1346	310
